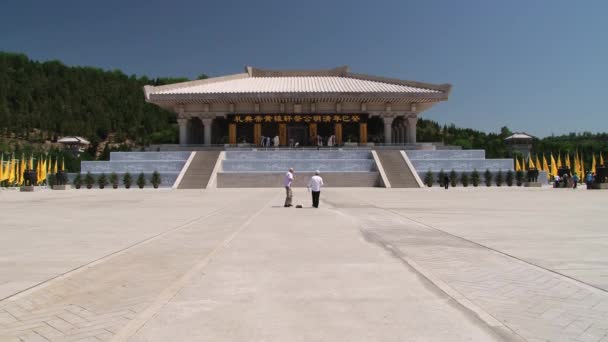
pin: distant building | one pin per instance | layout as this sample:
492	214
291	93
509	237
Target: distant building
75	144
297	107
520	142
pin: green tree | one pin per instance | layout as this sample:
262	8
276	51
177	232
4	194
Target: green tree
488	177
475	178
141	180
429	178
464	179
453	178
155	180
127	180
89	180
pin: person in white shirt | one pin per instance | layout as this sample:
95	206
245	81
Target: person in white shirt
287	181
315	184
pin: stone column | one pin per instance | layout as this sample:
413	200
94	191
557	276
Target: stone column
402	130
411	129
363	133
257	134
183	131
207	122
232	134
388	121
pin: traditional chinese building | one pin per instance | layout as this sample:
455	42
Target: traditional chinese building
297	106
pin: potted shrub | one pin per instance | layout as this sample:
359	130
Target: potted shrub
509	178
464	179
89	180
77	181
102	181
429	179
475	178
141	180
499	178
453	178
440	177
114	180
155	180
487	177
519	177
127	180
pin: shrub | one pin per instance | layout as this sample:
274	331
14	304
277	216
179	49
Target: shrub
77	181
102	181
453	178
127	180
429	179
487	177
51	180
440	177
499	178
155	180
141	180
464	179
114	180
509	178
475	178
89	180
519	177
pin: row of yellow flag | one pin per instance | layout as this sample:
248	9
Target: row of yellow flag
576	166
13	170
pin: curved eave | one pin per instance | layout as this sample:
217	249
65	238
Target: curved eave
297	97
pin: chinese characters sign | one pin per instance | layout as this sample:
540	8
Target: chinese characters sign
297	118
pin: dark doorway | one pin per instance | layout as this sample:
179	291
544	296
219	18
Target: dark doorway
297	134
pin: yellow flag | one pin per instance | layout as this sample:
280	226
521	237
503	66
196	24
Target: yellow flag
545	165
530	162
559	160
11	170
593	163
567	158
55	167
553	166
601	159
38	170
517	167
22	170
1	167
42	170
577	165
49	166
538	165
63	164
581	164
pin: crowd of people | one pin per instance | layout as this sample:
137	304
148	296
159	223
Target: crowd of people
318	141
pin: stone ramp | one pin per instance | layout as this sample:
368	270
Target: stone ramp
397	171
200	170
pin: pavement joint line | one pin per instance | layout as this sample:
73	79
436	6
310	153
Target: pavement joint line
570	279
83	267
485	317
126	332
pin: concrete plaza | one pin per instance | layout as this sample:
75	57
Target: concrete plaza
485	264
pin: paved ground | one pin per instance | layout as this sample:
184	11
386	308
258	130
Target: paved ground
369	265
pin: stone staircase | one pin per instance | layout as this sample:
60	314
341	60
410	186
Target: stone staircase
396	169
200	170
266	168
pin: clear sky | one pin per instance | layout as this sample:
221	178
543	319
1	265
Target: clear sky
535	66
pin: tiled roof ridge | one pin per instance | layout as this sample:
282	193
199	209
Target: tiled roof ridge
258	72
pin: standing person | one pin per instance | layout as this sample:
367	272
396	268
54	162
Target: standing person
275	141
589	180
575	180
446	181
287	182
315	184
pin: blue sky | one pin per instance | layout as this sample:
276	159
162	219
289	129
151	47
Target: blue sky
535	66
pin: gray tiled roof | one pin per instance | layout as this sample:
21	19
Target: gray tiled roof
295	84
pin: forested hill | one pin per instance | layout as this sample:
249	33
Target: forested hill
40	101
57	100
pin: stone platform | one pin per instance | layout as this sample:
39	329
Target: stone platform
368	265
